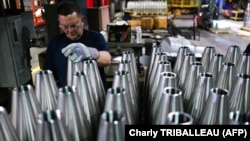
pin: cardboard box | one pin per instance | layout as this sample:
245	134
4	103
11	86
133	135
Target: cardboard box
147	23
160	22
134	23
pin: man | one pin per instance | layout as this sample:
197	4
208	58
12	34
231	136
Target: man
75	43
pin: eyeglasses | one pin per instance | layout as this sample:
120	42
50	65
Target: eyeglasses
73	26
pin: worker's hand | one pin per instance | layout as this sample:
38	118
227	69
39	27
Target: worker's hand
78	52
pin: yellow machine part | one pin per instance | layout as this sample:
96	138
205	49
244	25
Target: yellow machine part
183	3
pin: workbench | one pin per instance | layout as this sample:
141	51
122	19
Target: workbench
116	48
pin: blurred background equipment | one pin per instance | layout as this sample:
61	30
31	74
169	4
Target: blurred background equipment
22	26
39	31
209	11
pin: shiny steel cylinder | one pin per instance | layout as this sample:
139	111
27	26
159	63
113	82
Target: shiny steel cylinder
167	79
180	57
243	65
233	54
25	108
155	49
160	56
75	118
171	100
191	80
199	95
71	69
112	126
130	56
50	127
179	118
216	65
239	118
126	65
46	89
240	94
189	58
163	66
207	55
91	69
121	79
216	108
117	100
88	99
226	76
7	130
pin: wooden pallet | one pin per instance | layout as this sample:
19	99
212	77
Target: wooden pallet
245	31
246	34
245	28
220	31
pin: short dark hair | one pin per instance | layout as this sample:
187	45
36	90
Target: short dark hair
66	8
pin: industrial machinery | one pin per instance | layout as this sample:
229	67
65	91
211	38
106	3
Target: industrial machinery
209	11
185	6
16	30
15	69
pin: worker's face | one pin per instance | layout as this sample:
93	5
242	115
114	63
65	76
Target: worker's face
71	25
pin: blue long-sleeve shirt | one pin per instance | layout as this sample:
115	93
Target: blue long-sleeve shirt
57	62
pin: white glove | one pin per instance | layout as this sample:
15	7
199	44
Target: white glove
78	52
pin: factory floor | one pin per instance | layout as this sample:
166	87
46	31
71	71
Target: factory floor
220	40
230	32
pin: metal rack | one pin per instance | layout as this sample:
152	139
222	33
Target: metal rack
148	7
